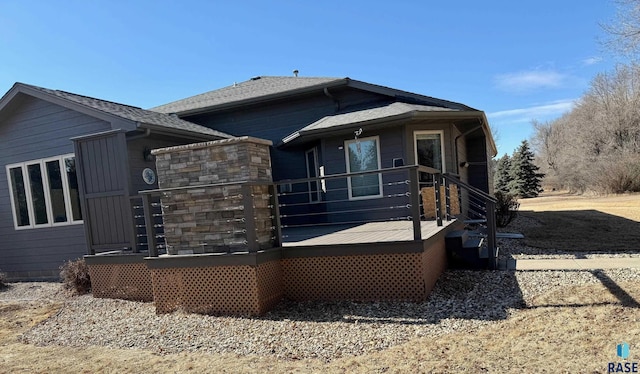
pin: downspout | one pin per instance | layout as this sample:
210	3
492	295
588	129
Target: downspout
147	132
455	142
330	96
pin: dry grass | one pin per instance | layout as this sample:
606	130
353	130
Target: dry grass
574	329
585	224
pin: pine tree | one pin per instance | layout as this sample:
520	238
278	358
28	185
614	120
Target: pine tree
502	177
526	181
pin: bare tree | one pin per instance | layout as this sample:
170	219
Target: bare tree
624	30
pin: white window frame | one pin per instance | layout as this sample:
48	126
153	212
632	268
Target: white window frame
346	156
429	132
47	192
314	153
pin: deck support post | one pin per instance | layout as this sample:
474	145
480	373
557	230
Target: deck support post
149	226
414	189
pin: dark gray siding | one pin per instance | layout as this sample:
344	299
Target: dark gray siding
275	120
33	129
392	145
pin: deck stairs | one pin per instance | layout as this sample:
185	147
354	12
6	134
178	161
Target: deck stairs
474	247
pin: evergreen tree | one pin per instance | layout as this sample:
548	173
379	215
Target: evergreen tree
502	177
526	181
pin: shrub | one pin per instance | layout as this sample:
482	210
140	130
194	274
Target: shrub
3	280
75	276
506	208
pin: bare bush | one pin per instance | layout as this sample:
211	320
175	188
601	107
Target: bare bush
75	276
506	208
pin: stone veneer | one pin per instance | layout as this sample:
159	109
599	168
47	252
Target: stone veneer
205	195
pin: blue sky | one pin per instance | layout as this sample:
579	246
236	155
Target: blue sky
516	60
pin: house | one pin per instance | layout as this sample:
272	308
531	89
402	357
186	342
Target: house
41	213
264	187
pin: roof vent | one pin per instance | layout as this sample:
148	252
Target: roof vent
255	78
295	72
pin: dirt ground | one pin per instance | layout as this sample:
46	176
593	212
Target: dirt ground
575	329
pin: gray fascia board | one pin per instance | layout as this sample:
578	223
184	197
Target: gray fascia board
392	92
178	132
487	131
115	121
254	100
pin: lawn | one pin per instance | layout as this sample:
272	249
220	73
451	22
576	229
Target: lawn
585	224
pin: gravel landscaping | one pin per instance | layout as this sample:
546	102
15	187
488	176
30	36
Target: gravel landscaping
463	301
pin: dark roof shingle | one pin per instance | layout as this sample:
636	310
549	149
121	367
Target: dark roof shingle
253	89
132	113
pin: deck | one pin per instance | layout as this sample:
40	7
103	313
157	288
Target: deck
372	232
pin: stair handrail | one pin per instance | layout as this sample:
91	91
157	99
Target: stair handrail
490	216
451	178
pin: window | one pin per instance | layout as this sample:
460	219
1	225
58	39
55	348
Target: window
363	155
44	192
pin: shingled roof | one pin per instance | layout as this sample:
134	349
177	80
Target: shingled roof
390	112
145	118
257	88
264	88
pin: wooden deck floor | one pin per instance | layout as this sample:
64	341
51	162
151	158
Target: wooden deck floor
372	232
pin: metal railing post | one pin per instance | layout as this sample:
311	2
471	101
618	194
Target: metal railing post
249	218
491	234
436	185
149	226
414	190
447	199
276	215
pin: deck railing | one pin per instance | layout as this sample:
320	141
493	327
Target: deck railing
382	195
226	217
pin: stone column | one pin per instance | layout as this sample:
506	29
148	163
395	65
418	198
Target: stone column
203	206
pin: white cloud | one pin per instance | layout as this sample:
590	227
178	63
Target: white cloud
539	112
529	80
591	60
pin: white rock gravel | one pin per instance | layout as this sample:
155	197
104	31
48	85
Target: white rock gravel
462	301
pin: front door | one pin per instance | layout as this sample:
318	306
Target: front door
429	148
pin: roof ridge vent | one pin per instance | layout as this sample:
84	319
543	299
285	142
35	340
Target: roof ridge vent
256	78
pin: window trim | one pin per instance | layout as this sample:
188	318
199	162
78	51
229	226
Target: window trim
314	152
430	132
23	166
346	155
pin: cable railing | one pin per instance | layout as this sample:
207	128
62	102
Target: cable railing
251	216
350	199
213	218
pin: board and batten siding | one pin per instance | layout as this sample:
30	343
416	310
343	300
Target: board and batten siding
32	129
